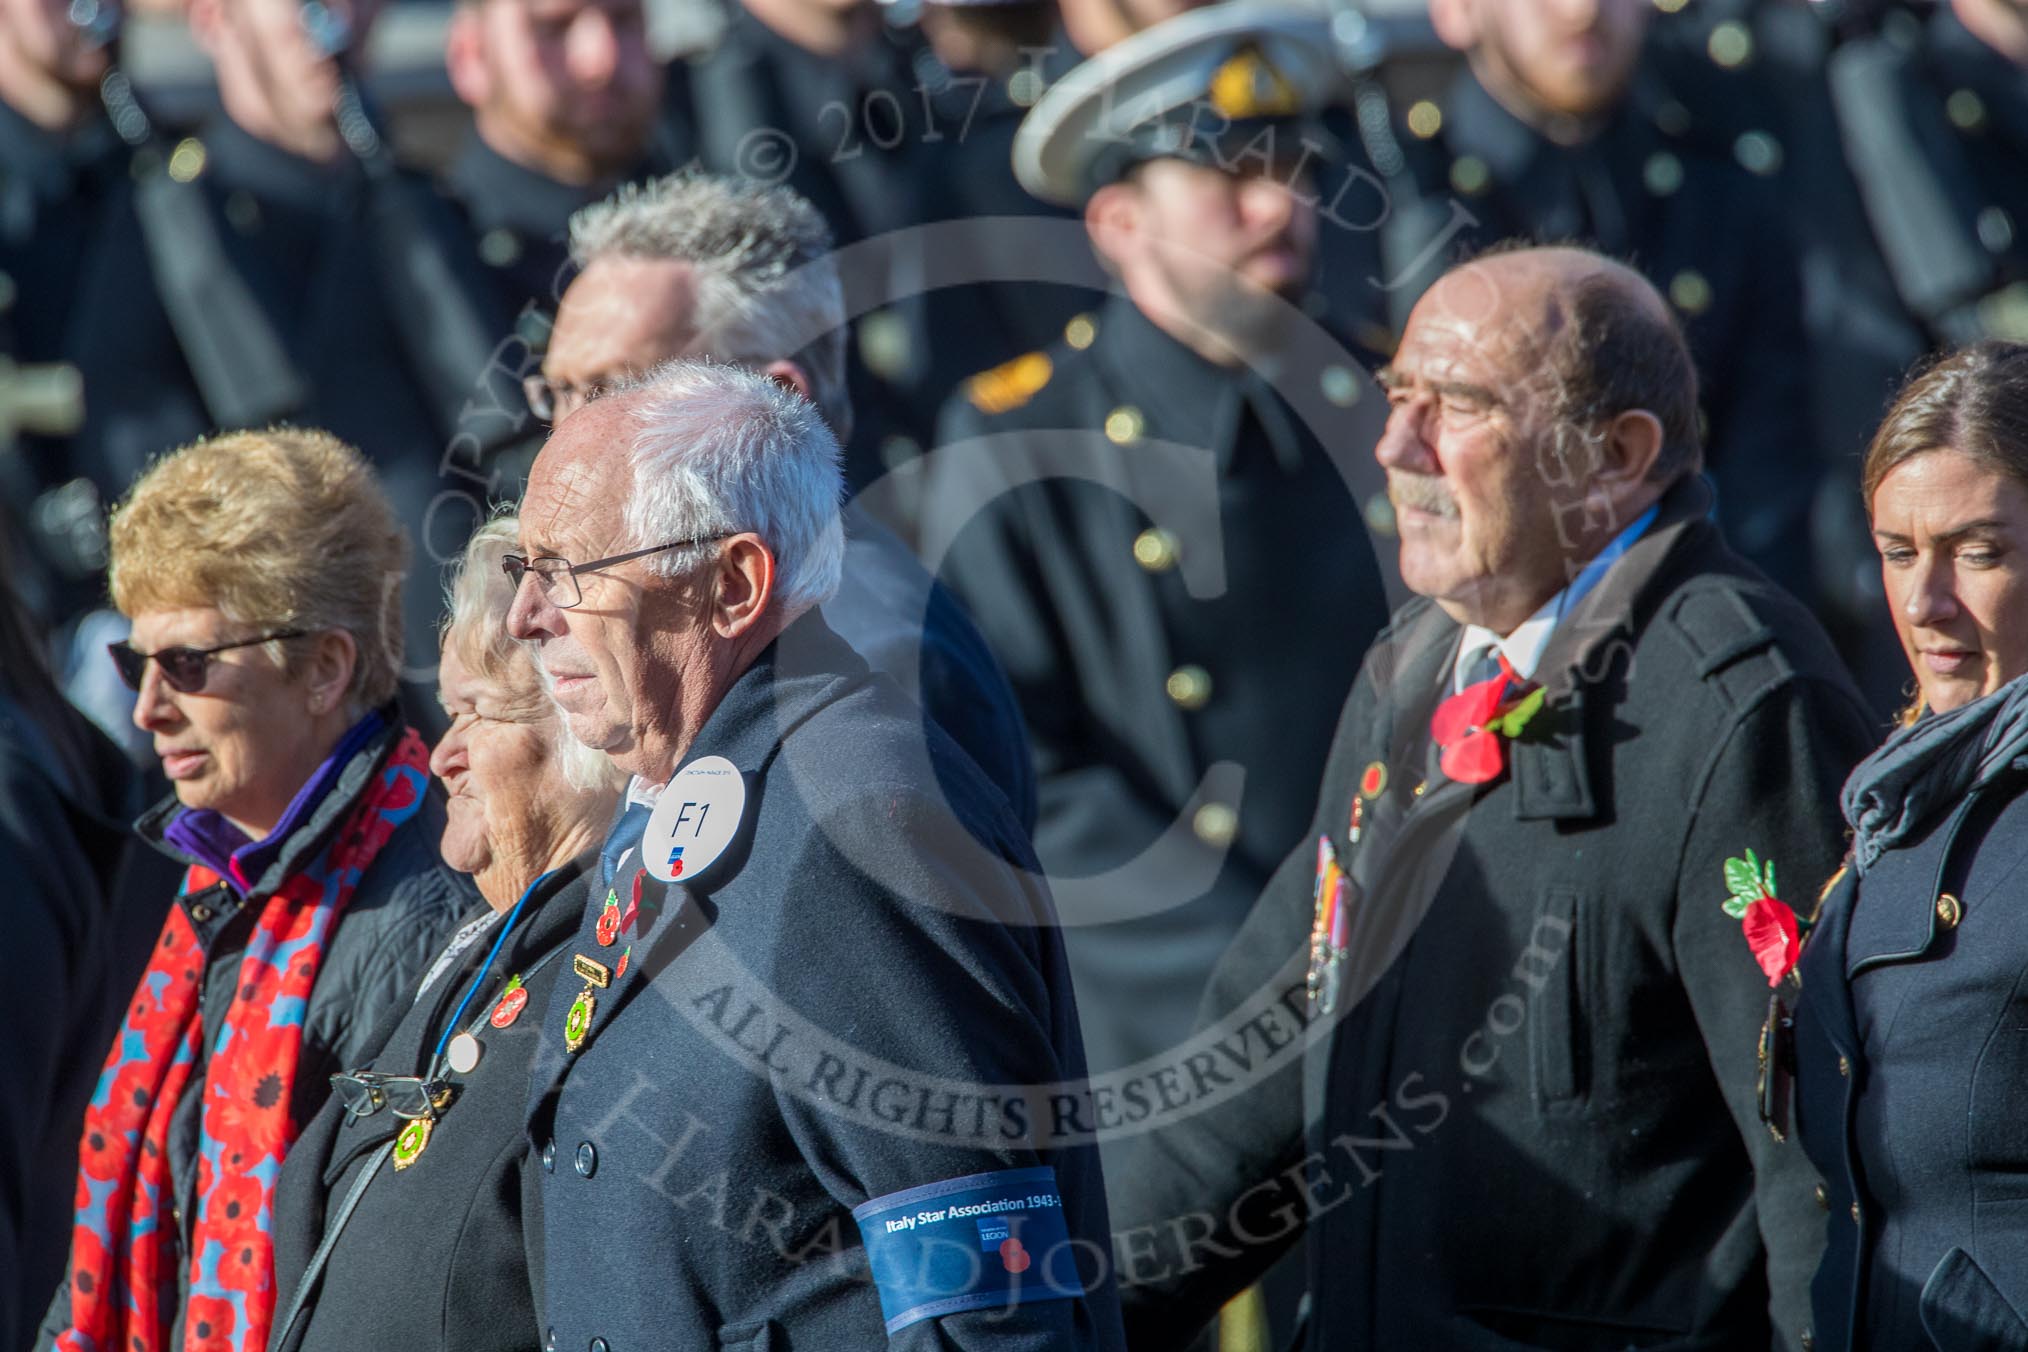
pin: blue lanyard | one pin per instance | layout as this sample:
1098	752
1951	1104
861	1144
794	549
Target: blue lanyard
479	978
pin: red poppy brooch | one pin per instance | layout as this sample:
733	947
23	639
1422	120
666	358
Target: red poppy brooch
1472	728
1773	930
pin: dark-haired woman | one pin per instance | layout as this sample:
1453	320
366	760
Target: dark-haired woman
1912	1026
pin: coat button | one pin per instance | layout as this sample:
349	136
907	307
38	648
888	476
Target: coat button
1845	1066
1855	1213
1189	686
1155	550
599	1345
587	1159
1823	1198
1948	911
549	1158
549	1341
1808	1341
1124	425
1215	824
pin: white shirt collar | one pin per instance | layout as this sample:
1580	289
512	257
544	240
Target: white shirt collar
1524	647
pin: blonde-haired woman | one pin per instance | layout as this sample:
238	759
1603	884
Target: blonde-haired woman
262	574
399	1216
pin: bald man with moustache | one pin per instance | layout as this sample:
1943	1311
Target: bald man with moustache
1486	1042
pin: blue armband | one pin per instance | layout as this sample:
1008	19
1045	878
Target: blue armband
969	1243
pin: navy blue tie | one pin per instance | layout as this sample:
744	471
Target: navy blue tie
628	828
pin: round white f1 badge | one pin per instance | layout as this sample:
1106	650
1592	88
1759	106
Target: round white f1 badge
694	820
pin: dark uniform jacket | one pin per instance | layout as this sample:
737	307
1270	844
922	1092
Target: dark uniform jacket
1912	1087
882	140
80	926
1181	603
405	906
902	622
838	1010
1708	232
1527	1121
432	1254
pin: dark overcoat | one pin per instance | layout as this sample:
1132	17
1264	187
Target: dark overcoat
850	1003
1912	1087
432	1253
1529	1119
1168	559
406	904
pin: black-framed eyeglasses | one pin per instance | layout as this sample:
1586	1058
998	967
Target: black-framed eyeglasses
558	577
552	399
184	668
366	1092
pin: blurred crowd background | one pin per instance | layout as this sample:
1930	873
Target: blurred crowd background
191	239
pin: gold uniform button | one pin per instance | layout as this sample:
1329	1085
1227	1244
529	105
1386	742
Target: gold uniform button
1215	825
1966	110
1662	174
1730	44
1124	424
1690	291
1823	1198
1155	550
1425	119
1080	331
1470	176
1189	686
1421	789
1948	911
1845	1067
1758	153
1340	386
500	247
1809	1342
1855	1213
186	162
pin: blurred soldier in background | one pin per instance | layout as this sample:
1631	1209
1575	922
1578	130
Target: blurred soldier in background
1934	112
63	176
564	97
884	127
1182	627
1556	133
277	266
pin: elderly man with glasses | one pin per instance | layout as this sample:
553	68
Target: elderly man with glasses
732	1124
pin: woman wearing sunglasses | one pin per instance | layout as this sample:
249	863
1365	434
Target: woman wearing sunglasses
262	574
398	1216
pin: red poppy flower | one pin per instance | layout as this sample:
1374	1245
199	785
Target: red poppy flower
1013	1256
248	1262
1770	927
208	1325
234	1203
99	1152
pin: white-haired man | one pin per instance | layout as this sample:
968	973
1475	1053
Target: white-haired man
698	266
717	1089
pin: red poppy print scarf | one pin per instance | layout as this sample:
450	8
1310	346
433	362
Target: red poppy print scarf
123	1280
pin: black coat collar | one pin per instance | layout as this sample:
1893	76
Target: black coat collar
1551	776
500	194
1184	397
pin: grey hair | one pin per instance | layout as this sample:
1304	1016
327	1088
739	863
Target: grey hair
475	628
723	449
767	286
